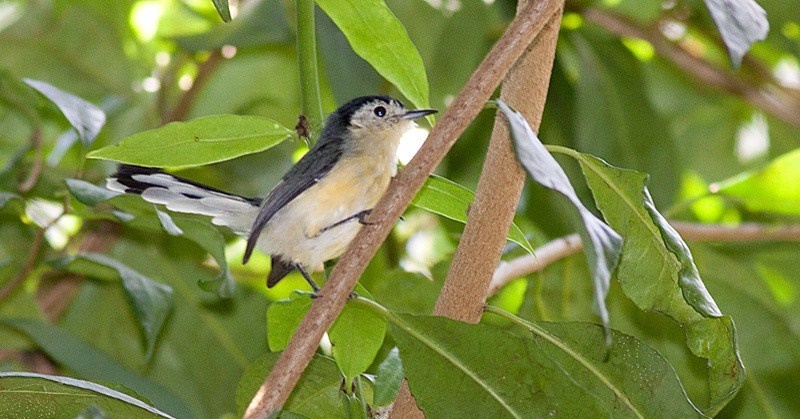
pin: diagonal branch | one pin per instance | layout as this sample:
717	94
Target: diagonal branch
775	101
284	376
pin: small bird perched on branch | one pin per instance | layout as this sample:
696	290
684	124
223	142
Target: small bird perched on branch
319	205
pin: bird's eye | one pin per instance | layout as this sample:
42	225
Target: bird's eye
379	111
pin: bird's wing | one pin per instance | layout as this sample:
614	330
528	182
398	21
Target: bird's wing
305	174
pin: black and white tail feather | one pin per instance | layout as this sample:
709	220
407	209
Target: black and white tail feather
182	195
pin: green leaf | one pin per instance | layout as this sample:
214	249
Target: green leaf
741	23
356	336
389	378
283	317
377	36
150	301
88	362
602	244
39	395
450	200
88	193
315	396
774	188
556	369
86	118
205	140
139	213
223	9
6	197
657	272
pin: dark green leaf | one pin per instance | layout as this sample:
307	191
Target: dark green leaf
451	200
388	380
741	23
315	396
88	193
377	36
198	142
558	369
37	395
657	272
88	362
86	118
775	188
150	301
223	9
603	244
356	336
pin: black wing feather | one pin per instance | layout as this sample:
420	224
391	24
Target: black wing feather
303	175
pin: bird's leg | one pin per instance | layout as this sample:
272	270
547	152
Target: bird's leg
361	217
310	281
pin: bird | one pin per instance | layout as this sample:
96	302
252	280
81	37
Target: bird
317	207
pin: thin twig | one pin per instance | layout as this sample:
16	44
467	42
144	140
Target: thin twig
565	246
36	169
27	267
469	102
185	102
775	101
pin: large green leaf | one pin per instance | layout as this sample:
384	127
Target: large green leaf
201	141
37	395
206	343
377	36
88	362
658	273
557	369
603	244
759	287
774	188
317	394
138	213
150	300
356	336
283	317
451	200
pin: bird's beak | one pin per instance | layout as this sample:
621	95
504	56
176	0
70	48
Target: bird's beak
419	113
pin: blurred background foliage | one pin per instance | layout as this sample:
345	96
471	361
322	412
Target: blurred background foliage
643	84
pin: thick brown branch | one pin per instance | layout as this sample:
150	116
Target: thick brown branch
284	376
775	102
568	245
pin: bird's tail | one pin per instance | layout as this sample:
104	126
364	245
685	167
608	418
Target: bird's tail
183	195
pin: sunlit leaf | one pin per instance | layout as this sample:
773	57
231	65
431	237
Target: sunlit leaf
377	36
451	200
205	140
283	317
741	23
603	244
658	273
557	369
150	301
356	336
775	188
39	395
90	363
86	118
317	394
